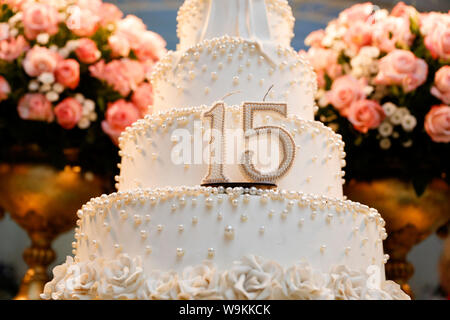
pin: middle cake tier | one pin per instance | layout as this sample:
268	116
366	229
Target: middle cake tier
174	149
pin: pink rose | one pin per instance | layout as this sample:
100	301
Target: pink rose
321	82
147	66
109	13
68	112
12	48
324	60
35	106
390	32
119	45
428	21
40	18
143	98
437	123
92	5
151	47
314	39
438	40
119	115
67	73
365	114
402	67
441	88
5	89
403	10
123	75
39	60
4	31
358	35
345	91
357	12
83	22
87	51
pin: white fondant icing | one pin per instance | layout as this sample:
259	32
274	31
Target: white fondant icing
236	234
315	169
234	65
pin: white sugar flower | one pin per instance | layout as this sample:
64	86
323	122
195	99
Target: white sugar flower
373	67
323	101
93	116
403	111
52	96
47	78
15	18
84	123
43	38
72	45
370	51
368	90
409	122
53	48
89	105
33	85
396	118
14	32
389	108
79	97
385	143
380	14
64	52
45	88
58	87
385	129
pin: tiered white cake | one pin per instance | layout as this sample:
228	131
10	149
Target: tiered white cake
163	236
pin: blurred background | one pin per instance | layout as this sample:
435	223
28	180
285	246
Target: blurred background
160	16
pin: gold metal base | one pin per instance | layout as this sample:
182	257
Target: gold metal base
44	201
409	219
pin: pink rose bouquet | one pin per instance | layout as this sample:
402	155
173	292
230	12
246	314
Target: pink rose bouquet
384	85
74	74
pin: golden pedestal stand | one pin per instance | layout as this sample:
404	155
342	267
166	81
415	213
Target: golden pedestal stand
43	201
409	219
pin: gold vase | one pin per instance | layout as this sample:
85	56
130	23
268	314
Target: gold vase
409	219
43	200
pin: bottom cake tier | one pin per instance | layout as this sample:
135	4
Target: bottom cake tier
216	243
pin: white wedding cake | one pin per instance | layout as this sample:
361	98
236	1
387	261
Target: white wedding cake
184	225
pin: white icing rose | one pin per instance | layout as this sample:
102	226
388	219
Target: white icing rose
82	280
347	284
123	278
394	291
302	283
59	273
162	285
201	282
76	281
252	278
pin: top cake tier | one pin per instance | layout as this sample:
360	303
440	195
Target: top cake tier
261	20
235	50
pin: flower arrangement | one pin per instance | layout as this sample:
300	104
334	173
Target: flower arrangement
384	85
73	74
